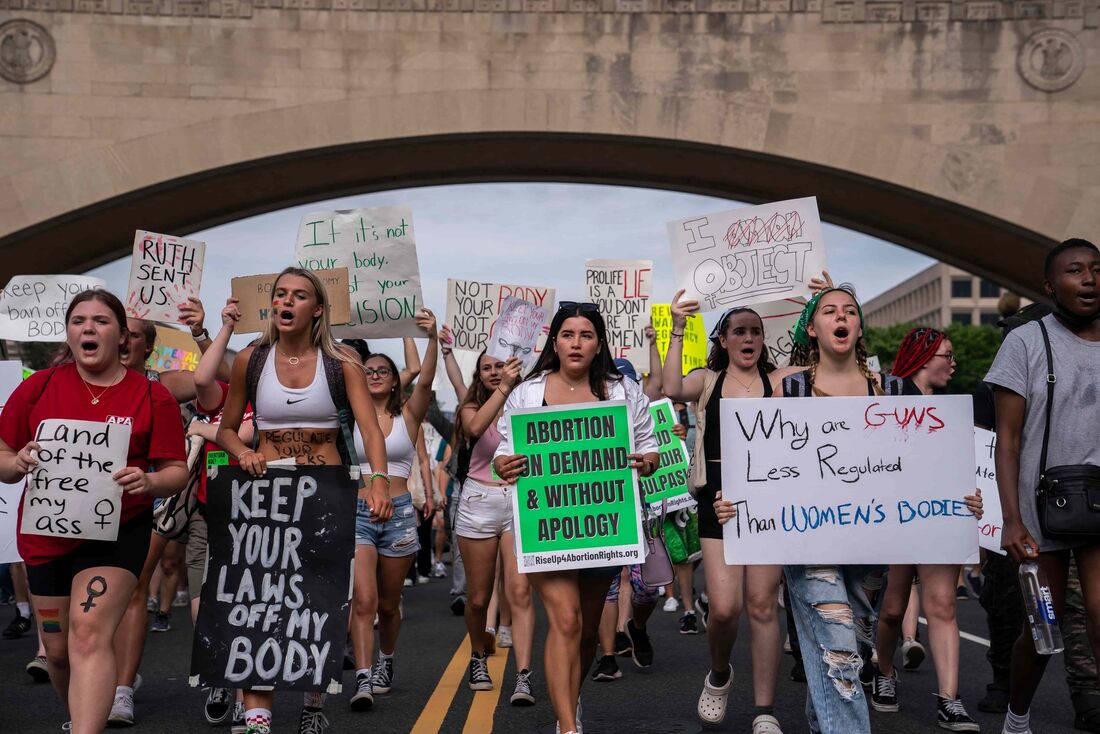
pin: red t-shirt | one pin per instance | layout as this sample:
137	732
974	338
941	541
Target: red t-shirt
222	456
156	432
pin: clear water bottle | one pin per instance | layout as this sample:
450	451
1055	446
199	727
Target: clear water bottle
1039	606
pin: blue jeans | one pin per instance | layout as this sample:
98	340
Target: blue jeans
835	703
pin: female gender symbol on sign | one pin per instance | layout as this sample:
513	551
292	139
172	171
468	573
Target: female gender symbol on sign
103	521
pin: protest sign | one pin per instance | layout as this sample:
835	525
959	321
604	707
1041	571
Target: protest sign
275	596
517	331
622	289
378	248
32	307
695	346
849	480
989	527
70	493
473	307
670	481
11	374
779	318
253	294
164	272
577	505
173	350
750	255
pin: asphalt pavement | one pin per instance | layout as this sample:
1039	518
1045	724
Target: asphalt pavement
430	694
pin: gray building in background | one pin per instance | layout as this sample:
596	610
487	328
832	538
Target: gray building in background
937	296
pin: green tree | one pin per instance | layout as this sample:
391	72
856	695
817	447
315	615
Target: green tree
974	348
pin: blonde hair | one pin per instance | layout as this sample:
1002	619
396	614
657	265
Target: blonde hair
321	331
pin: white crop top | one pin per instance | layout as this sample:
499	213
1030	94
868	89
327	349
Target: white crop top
399	450
278	406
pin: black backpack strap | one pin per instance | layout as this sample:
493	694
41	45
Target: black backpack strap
1051	379
334	374
252	379
892	385
796	385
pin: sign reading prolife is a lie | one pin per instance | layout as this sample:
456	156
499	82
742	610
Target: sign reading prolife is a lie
70	493
32	307
517	331
749	255
670	481
378	248
622	289
849	480
253	294
577	505
473	307
989	527
164	272
275	597
694	351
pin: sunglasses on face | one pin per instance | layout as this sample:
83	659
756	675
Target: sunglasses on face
576	306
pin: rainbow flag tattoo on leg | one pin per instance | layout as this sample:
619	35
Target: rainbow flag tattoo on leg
50	619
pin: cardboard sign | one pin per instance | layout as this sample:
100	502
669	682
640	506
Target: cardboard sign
71	494
696	344
622	289
750	255
11	374
849	480
989	527
32	307
164	272
275	597
779	318
670	481
473	307
517	331
378	248
577	506
173	350
253	293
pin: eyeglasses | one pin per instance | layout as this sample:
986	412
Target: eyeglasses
949	356
379	372
575	306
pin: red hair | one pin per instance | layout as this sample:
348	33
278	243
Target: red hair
918	346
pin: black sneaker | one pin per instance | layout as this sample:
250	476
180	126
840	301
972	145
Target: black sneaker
382	680
798	671
641	648
364	693
995	700
951	715
866	676
688	625
522	695
479	679
458	605
237	725
884	692
622	644
161	623
18	627
312	721
702	608
37	669
962	593
607	669
219	705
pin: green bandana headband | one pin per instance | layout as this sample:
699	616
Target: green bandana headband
801	333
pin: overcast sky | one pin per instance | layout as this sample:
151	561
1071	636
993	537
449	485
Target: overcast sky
531	234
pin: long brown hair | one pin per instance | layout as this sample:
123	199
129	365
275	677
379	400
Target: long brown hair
321	330
395	399
601	371
108	299
477	395
719	358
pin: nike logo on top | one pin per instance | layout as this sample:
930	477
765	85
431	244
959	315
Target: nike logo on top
292	402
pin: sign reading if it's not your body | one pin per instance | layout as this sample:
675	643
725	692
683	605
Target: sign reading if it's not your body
849	480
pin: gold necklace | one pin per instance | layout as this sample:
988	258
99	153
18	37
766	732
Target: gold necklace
748	388
292	360
96	398
572	387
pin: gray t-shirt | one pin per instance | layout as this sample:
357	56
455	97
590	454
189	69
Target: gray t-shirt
1021	366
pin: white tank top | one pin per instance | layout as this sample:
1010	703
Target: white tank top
278	406
399	449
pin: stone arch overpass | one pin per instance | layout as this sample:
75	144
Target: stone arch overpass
965	129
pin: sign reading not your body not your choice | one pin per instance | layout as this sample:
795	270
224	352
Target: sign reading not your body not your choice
275	598
577	505
670	481
849	480
71	494
473	307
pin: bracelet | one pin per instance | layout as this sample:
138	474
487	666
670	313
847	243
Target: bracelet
674	335
380	474
246	451
445	351
502	391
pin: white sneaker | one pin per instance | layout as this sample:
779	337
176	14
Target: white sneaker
122	710
504	637
912	654
671	605
183	599
578	730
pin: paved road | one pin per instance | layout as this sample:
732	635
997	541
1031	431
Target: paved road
660	701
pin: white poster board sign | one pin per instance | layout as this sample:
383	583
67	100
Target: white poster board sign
849	480
989	527
71	494
622	289
517	331
164	272
378	247
11	374
749	255
32	307
473	307
779	318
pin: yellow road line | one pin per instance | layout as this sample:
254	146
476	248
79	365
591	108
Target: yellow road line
480	718
431	718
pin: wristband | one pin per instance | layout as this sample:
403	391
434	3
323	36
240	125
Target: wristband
673	333
242	454
502	391
380	474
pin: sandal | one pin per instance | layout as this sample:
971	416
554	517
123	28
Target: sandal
712	701
766	724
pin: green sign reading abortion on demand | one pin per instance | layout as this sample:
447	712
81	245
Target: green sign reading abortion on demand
577	506
670	481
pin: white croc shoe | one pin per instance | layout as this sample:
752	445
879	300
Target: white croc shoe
766	724
712	701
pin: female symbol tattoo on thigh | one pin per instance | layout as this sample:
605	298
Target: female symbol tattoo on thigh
96	587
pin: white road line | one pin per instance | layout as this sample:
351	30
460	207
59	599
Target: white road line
964	635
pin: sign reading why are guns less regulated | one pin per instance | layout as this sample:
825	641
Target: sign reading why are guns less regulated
849	480
577	506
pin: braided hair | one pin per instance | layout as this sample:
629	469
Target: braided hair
814	356
918	346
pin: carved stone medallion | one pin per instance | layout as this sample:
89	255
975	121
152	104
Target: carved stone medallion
27	51
1051	60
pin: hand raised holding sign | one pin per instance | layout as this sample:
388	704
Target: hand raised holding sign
192	313
681	310
425	319
824	283
509	376
231	314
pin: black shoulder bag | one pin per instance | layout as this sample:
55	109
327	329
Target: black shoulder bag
1068	497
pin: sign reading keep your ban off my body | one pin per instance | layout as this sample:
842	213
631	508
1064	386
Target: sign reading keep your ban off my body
577	506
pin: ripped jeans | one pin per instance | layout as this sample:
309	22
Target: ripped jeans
829	638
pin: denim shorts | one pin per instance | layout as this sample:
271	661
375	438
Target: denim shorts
393	538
